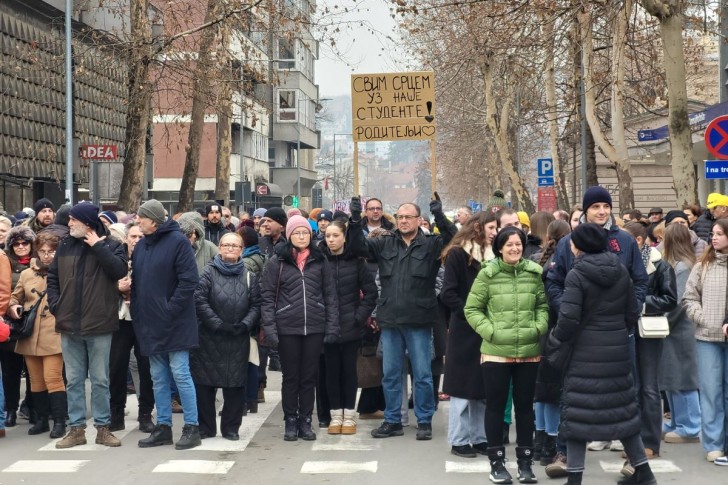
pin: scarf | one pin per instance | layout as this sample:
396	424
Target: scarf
251	251
228	269
645	253
301	257
476	251
25	260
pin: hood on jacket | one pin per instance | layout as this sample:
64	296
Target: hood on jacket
190	222
19	233
602	269
170	225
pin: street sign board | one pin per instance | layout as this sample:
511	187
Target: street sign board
545	181
99	152
547	199
716	137
545	167
477	207
261	189
716	169
393	106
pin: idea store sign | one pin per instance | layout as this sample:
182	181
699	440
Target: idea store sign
99	152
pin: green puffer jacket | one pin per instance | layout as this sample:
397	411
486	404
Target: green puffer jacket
507	307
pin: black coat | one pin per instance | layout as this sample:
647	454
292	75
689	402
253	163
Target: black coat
356	291
661	289
228	307
295	302
213	232
548	379
598	400
533	246
462	372
703	225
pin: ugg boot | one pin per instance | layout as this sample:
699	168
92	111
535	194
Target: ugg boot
574	478
291	432
305	429
538	444
498	472
524	457
42	410
349	425
59	409
642	475
548	450
337	419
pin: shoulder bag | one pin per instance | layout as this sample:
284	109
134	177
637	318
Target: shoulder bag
23	327
653	326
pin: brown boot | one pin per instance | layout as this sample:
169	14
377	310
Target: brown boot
105	437
75	437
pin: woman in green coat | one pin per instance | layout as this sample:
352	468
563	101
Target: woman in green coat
507	307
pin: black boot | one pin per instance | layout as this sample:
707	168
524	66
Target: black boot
162	435
524	456
498	472
252	407
291	433
117	419
59	408
42	410
548	451
11	417
146	425
190	437
642	475
574	478
538	444
305	430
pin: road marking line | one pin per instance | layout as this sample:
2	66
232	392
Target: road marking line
474	466
45	466
358	442
657	466
194	466
317	467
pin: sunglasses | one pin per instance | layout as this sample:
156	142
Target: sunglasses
21	243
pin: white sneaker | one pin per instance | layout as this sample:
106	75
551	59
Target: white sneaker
598	445
721	461
616	445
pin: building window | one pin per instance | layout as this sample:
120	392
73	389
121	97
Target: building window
286	54
287	105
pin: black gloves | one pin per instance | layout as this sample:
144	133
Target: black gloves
331	339
436	207
271	340
355	208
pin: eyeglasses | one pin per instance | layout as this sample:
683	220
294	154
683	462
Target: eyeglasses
46	253
405	217
21	243
714	234
300	234
374	209
230	246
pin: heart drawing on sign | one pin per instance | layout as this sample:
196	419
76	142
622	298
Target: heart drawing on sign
428	130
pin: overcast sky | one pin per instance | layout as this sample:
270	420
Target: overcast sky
366	48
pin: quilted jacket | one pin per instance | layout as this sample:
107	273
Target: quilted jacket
705	298
507	307
228	307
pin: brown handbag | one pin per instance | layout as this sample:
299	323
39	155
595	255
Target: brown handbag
368	368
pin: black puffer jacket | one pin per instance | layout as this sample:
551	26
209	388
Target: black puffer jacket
703	225
353	279
661	287
228	307
533	246
296	302
598	399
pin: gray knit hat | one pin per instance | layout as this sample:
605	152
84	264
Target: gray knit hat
154	210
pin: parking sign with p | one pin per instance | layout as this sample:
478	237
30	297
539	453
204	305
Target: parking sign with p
545	167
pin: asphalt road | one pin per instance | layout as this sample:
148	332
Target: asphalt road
261	456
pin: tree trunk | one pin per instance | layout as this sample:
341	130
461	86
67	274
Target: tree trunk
615	151
200	98
591	160
224	119
670	15
498	125
138	109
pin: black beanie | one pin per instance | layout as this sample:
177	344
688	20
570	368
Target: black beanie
590	238
86	213
250	237
672	215
594	195
502	237
43	203
277	214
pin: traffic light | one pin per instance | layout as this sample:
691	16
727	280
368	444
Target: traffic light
295	202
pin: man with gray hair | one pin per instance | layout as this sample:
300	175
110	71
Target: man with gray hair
164	279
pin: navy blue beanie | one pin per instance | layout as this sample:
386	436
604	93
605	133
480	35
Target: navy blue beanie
86	213
594	195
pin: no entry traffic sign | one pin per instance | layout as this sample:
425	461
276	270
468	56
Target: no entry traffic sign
716	137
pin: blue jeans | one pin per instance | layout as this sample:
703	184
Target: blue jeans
713	384
548	416
87	356
168	368
466	424
684	412
418	342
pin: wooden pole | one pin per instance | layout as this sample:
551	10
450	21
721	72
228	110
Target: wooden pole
433	167
356	169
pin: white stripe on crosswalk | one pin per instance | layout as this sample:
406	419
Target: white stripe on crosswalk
194	466
362	441
45	466
474	466
657	466
320	467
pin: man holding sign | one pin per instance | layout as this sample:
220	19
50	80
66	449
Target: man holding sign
408	263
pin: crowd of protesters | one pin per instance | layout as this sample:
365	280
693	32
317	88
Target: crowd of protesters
533	316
